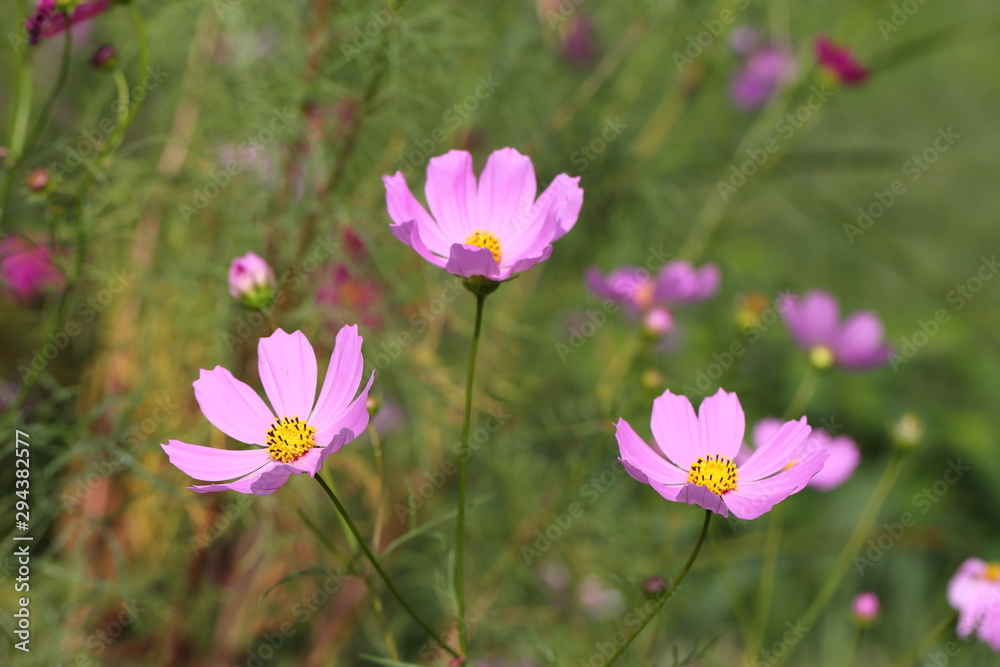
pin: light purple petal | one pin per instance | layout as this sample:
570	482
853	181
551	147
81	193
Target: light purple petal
813	319
451	194
343	376
404	207
965	581
765	430
312	461
772	456
469	260
989	629
722	424
354	417
409	233
859	344
287	366
232	406
680	282
844	458
638	454
525	263
507	188
694	494
211	464
676	430
568	200
751	499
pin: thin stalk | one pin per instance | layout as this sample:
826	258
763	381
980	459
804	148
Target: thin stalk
463	634
46	113
768	574
803	394
669	594
378	568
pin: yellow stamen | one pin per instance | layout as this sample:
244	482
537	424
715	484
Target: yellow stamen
993	571
289	438
487	240
821	357
716	473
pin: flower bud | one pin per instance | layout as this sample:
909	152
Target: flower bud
865	608
373	405
654	587
38	180
908	431
251	281
657	322
105	57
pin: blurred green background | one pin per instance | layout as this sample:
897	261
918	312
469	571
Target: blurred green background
317	100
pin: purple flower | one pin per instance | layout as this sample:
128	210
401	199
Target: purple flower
495	228
692	459
27	269
761	75
814	322
578	42
840	61
50	19
298	435
974	592
866	607
651	297
844	453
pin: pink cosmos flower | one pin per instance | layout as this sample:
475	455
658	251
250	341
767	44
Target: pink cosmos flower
844	453
840	61
495	228
763	72
298	435
692	459
27	268
974	592
49	19
651	297
814	322
866	607
251	278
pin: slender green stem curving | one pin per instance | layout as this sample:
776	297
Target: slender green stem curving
667	595
803	394
463	634
43	118
378	567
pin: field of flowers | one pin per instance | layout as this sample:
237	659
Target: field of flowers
503	334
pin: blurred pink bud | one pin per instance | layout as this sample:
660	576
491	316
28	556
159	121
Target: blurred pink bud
27	268
866	607
251	281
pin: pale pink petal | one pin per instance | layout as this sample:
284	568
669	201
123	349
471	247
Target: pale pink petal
343	376
469	260
354	417
404	208
232	406
312	461
637	453
507	188
770	457
813	319
722	424
765	430
287	366
695	494
262	483
211	464
989	629
567	196
844	458
965	582
409	233
751	499
860	342
676	430
451	194
525	263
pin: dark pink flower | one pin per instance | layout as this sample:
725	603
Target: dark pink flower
760	77
974	592
840	61
49	19
298	435
27	269
578	41
814	322
692	458
494	228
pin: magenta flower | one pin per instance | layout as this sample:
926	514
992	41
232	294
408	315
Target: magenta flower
652	297
762	74
578	41
692	459
865	607
347	292
814	322
289	443
840	61
974	592
27	268
494	229
251	280
50	18
844	453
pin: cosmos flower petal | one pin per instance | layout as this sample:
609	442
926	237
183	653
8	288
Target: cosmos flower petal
813	319
452	194
765	430
507	188
526	263
343	376
566	200
469	260
232	406
312	461
405	209
211	464
676	430
409	233
693	494
354	417
772	456
751	499
844	458
722	423
638	454
859	343
287	366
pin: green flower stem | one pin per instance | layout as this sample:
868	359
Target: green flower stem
926	641
852	656
854	542
463	633
43	118
768	574
667	595
378	568
803	394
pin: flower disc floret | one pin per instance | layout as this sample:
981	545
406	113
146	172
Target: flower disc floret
716	473
289	438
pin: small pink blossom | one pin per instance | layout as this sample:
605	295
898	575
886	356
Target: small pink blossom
866	607
840	61
251	280
27	269
814	323
974	592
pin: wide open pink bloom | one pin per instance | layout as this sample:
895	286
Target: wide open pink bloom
301	431
844	453
974	592
692	458
494	228
48	20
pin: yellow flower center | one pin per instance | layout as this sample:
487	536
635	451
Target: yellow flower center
716	473
487	240
821	357
993	571
289	438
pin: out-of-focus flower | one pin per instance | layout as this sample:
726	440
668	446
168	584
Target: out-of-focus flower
844	453
598	599
38	180
692	459
251	281
974	592
762	74
749	309
654	587
554	574
27	268
249	158
578	44
840	62
865	608
814	323
744	40
493	229
908	431
351	296
642	295
105	57
289	442
52	17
